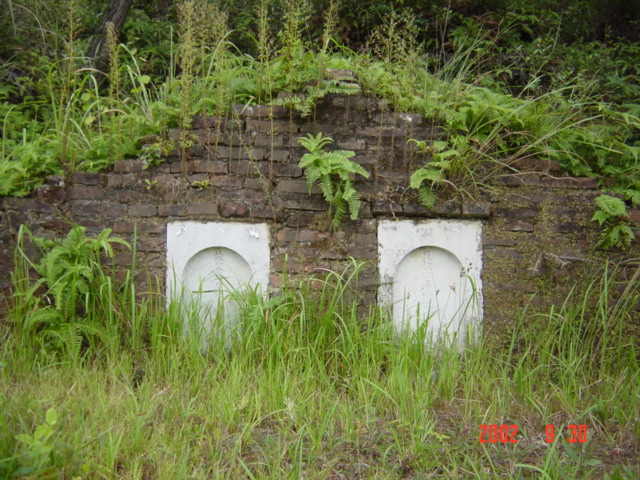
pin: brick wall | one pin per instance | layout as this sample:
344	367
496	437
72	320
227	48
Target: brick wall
538	237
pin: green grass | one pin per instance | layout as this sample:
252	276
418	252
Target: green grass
314	387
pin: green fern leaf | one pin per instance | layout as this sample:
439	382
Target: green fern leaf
612	206
427	197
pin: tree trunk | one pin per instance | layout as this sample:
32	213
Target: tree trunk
116	14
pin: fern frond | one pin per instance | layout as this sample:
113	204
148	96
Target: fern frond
326	185
340	208
424	174
427	197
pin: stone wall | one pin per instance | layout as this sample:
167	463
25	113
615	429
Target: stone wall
537	235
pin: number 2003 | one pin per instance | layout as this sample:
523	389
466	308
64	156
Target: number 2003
498	433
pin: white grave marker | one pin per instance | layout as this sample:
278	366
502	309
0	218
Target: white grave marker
430	272
210	264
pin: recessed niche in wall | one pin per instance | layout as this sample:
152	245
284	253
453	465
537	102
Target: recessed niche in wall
211	265
430	272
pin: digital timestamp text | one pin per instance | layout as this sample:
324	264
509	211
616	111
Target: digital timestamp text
508	433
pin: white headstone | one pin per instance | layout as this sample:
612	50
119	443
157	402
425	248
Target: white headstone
430	272
211	265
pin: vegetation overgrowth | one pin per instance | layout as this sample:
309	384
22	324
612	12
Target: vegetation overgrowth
99	380
310	386
512	83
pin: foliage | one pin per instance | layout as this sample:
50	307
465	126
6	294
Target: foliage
39	446
350	387
612	215
58	307
332	172
505	85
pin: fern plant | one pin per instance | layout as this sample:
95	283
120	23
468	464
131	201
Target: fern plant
305	103
332	172
612	215
58	307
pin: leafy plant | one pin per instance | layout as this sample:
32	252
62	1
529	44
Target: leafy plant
58	308
434	174
332	172
39	446
612	214
305	103
156	153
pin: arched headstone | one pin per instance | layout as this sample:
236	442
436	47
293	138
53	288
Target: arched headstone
211	265
430	276
213	279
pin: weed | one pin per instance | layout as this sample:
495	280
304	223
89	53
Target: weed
612	215
332	172
58	308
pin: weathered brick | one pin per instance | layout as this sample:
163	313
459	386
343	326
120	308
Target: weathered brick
233	208
398	119
172	210
258	183
570	182
518	212
130	196
277	155
122	259
279	170
239	153
208	166
517	180
498	242
533	164
568	227
215	123
160	181
198	178
248	167
477	209
365	238
271	126
382	132
300	235
356	102
202	209
88	178
316	127
102	209
386	208
634	215
151	244
141	226
275	280
266	140
298	201
51	193
364	253
226	181
353	144
119	179
260	111
86	193
129	166
519	226
492	253
142	210
296	186
56	225
448	208
516	287
28	204
300	219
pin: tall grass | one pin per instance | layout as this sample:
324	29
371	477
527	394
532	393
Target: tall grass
313	386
